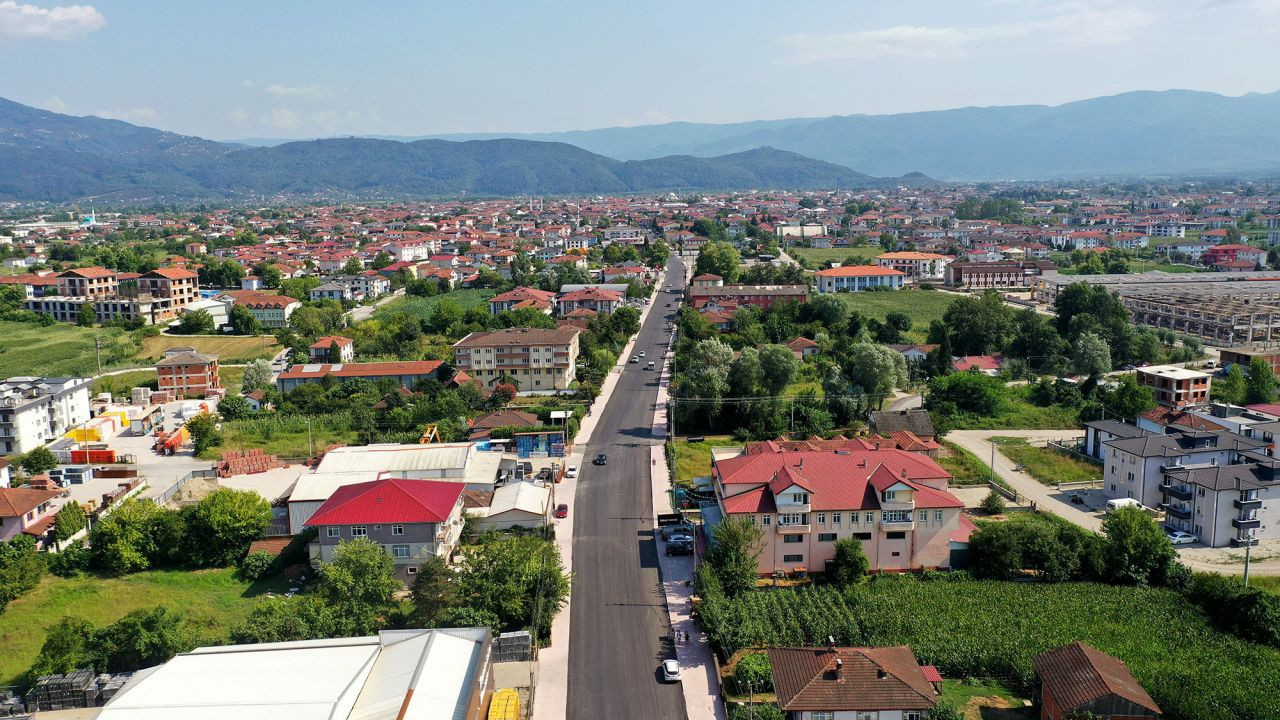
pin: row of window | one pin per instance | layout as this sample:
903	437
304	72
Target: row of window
831	537
864	715
334	531
838	518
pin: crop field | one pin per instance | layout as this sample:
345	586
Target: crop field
423	307
922	306
818	258
993	629
59	350
228	349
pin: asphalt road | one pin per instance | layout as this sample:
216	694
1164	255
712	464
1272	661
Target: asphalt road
619	630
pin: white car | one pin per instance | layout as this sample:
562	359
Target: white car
1178	537
641	353
571	472
671	671
635	358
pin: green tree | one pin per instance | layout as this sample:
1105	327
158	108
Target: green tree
196	322
125	541
270	276
233	407
745	374
70	520
1091	356
850	564
352	266
966	392
944	710
65	647
38	460
432	591
753	674
829	310
1260	386
736	544
142	638
221	526
719	258
21	568
1127	399
993	503
1136	551
658	253
1233	388
381	260
360	583
88	317
305	617
978	325
519	581
243	321
204	432
778	366
257	376
876	369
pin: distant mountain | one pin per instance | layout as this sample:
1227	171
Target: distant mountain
1177	132
52	157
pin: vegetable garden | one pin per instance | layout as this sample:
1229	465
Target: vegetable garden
995	629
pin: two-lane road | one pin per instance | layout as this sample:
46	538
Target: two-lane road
619	624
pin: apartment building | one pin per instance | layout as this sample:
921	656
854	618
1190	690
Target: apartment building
35	411
523	297
272	311
1224	505
91	282
597	300
896	502
153	297
536	359
187	373
1176	386
1134	467
762	296
407	374
916	265
982	275
172	288
855	278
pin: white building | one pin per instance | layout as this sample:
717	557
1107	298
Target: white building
35	411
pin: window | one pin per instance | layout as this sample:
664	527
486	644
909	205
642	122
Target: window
835	519
896	535
397	529
892	516
822	518
911	715
332	531
822	715
792	558
862	536
765	519
800	498
792	538
793	519
937	516
400	551
359	531
871	517
924	516
412	570
826	537
889	495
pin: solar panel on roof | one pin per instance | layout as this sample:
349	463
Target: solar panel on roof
336	368
311	368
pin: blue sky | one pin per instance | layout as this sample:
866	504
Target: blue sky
275	68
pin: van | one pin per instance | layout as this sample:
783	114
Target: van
650	366
1116	504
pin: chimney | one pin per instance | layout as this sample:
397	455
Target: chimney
831	643
840	670
904	473
880	673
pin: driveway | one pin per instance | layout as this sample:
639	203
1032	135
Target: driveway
364	312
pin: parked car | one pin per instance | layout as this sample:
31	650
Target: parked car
671	671
679	548
650	366
571	472
1177	537
1117	503
671	531
562	510
601	459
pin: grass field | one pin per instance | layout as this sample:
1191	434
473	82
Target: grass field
121	384
59	350
975	698
922	306
213	601
1046	465
1270	583
423	307
228	349
964	466
819	257
290	437
694	459
1021	414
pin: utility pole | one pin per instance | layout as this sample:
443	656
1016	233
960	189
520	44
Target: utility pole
1248	555
97	351
310	450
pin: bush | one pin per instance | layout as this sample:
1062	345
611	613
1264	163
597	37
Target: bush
850	564
1248	613
993	503
759	711
753	674
257	565
21	568
72	561
69	521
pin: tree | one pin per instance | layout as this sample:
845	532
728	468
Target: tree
944	710
1127	399
966	392
850	564
827	309
719	258
65	647
1091	356
70	520
204	432
518	581
196	322
978	325
778	367
288	620
382	259
736	544
876	369
243	321
658	253
1233	388
753	673
143	638
124	541
1260	386
352	266
360	583
432	590
221	526
234	407
88	317
257	376
270	276
21	568
745	374
993	503
1136	551
38	460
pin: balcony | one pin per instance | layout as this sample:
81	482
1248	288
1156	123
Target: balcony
794	507
897	525
1241	542
1181	492
1174	510
792	528
1246	523
1246	505
908	506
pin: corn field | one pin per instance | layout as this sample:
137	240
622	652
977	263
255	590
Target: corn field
995	629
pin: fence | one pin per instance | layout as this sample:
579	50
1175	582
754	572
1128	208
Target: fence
167	495
1074	449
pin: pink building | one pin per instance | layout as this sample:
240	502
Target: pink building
896	502
26	510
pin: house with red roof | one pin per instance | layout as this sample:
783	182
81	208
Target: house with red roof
26	510
412	519
320	349
522	297
853	682
988	364
854	278
596	299
1233	253
894	501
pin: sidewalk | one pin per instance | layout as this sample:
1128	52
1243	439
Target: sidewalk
551	696
698	672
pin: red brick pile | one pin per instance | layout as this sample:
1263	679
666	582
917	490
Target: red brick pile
248	462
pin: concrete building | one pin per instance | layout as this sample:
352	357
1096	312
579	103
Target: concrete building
320	349
407	374
1175	386
187	373
536	359
594	299
917	265
35	411
26	510
1134	467
1244	355
983	275
1224	505
762	296
855	278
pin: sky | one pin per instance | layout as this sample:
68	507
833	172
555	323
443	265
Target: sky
297	69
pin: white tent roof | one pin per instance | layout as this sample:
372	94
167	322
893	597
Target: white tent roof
523	496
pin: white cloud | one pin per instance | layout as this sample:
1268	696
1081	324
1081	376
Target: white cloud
142	115
1075	22
299	91
61	22
239	116
56	104
282	118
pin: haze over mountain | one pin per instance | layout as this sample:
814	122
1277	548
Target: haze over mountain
53	157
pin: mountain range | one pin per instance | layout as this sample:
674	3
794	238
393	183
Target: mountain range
47	156
1169	133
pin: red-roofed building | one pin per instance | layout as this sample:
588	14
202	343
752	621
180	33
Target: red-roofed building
26	510
522	297
989	364
595	299
841	682
412	519
1233	252
322	347
853	278
896	502
405	373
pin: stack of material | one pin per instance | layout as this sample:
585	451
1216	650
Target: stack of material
140	396
247	462
109	685
513	647
62	692
43	481
161	397
11	704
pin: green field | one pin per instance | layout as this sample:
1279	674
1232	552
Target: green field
423	307
58	350
213	601
228	348
694	459
287	436
1019	413
1046	465
818	258
964	466
120	385
922	306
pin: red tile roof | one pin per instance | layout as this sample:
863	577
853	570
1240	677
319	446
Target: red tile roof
388	501
16	502
376	369
1077	675
859	271
883	678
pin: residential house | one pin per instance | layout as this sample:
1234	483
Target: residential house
1079	681
1099	432
515	505
412	519
1243	356
271	311
522	297
763	296
981	275
187	373
857	683
916	265
321	350
35	411
895	502
986	364
536	359
854	278
596	300
1176	386
914	420
1234	252
330	291
407	374
803	347
26	510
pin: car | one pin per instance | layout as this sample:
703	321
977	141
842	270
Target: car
641	353
671	671
1177	537
668	304
650	366
679	548
601	459
635	359
562	510
672	531
571	472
